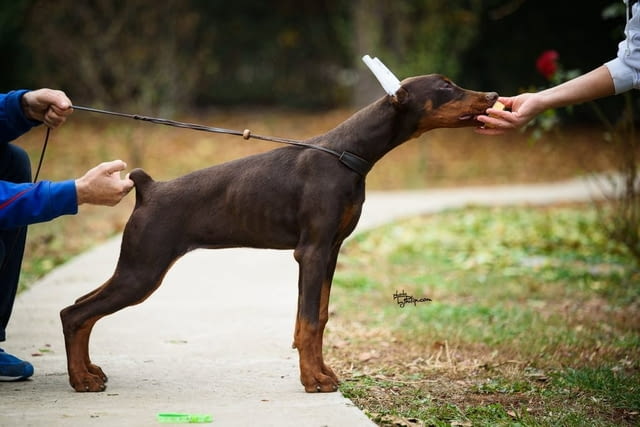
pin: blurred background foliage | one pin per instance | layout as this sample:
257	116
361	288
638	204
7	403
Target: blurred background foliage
177	55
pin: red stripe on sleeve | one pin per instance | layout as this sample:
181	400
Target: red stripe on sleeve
13	199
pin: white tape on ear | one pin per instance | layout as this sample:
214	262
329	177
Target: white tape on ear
392	80
387	79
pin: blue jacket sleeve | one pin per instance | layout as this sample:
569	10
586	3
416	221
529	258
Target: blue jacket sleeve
13	122
23	204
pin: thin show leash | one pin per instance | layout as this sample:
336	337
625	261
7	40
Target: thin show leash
352	161
44	149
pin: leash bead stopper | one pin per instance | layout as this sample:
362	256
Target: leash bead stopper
246	134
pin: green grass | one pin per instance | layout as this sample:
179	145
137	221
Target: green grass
604	385
534	320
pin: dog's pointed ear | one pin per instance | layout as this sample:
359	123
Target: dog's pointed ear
400	97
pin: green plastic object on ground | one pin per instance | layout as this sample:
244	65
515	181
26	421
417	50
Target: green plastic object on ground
178	418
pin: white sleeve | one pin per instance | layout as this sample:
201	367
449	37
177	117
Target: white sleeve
625	68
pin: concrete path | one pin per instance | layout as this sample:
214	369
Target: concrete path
214	339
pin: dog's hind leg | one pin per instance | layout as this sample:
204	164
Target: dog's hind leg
133	281
83	375
90	294
312	316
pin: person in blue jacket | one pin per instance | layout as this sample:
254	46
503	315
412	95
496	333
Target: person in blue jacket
23	202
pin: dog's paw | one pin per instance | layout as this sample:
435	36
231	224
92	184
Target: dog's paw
329	372
320	383
87	383
98	372
321	387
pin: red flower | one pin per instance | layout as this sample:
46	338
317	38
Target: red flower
547	63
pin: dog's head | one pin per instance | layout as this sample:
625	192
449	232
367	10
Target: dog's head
434	101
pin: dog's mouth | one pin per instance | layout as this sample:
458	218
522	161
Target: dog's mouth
466	117
472	116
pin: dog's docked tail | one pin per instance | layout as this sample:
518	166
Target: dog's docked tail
142	181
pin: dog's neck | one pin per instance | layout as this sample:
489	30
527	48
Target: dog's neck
371	132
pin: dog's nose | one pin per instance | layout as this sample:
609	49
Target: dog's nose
492	97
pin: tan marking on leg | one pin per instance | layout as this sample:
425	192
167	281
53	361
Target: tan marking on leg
314	374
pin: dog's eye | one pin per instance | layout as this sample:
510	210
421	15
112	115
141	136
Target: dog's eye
447	85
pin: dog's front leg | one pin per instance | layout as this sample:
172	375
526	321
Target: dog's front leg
313	313
324	306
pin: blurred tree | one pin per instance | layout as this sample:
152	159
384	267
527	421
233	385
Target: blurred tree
159	56
415	37
17	58
285	52
141	54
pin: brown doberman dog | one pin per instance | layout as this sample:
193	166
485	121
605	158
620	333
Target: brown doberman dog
288	198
